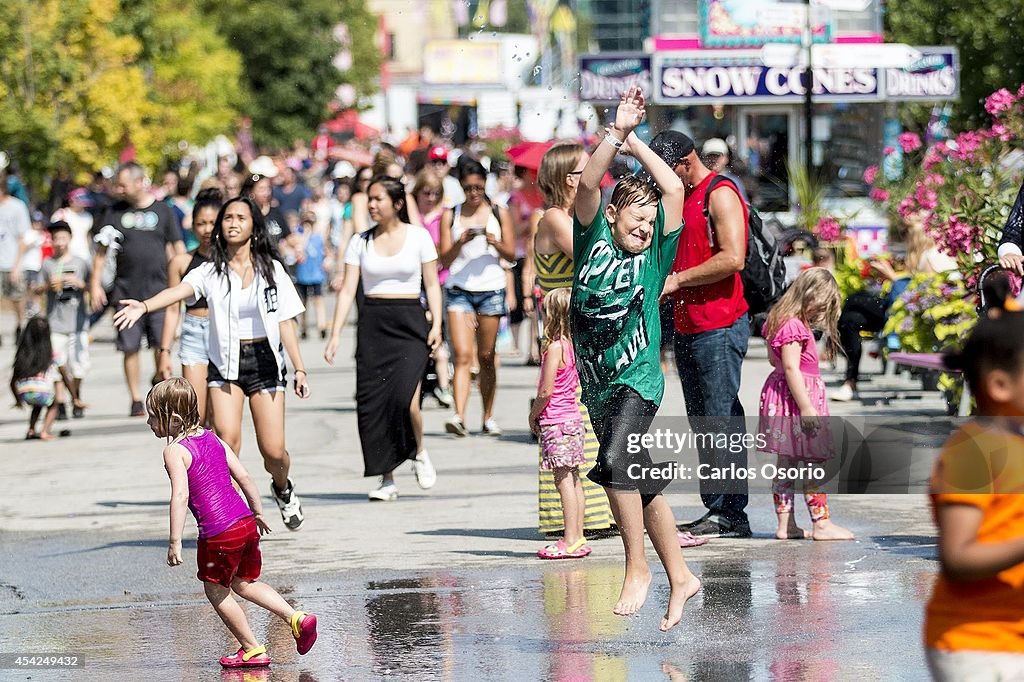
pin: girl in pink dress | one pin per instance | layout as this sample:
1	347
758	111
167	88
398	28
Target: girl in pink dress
794	407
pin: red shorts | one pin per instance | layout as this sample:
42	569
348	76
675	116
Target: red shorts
235	553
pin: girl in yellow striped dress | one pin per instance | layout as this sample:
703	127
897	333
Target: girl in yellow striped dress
559	174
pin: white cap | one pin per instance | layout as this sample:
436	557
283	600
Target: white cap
343	169
715	145
264	166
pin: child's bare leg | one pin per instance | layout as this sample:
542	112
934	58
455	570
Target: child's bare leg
782	492
581	500
33	419
629	516
265	596
321	313
566	482
661	527
232	615
48	420
824	529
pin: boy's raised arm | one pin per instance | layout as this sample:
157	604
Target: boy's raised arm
627	117
671	187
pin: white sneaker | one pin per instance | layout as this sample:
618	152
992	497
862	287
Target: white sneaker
491	428
387	492
289	505
845	394
455	426
426	474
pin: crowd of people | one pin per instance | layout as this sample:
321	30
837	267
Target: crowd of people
433	249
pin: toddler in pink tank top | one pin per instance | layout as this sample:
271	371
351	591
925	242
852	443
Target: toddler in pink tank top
201	469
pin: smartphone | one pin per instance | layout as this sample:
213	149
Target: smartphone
477	231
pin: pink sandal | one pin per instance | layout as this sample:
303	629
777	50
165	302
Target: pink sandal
560	550
257	658
304	631
690	540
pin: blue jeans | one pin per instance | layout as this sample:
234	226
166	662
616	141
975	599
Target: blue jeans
710	365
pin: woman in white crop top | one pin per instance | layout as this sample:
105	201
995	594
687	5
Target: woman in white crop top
395	261
473	242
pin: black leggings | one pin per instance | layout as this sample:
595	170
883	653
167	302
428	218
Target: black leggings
861	312
624	414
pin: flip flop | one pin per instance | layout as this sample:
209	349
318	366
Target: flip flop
257	658
691	540
560	550
304	631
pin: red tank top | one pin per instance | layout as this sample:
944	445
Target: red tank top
710	306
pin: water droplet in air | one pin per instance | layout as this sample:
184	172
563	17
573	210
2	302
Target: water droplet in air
536	70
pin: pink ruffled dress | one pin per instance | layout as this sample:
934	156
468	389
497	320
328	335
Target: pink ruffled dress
780	416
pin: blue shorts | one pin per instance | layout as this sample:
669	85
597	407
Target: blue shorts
479	302
195	334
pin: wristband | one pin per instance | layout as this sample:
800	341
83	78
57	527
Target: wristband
613	141
165	350
144	305
303	371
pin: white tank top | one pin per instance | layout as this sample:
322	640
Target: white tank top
250	323
478	266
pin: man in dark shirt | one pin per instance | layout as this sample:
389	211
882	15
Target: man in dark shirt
149	236
291	195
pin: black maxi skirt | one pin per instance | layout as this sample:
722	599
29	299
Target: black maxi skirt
391	356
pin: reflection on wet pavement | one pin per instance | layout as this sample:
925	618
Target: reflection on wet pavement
808	612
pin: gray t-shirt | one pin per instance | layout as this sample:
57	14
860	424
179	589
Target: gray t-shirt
66	308
14	223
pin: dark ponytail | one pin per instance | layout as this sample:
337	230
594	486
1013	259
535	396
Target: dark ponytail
395	191
994	344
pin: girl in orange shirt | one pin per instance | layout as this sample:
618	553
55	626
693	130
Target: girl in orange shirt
974	622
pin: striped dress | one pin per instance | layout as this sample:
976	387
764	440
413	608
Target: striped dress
555	272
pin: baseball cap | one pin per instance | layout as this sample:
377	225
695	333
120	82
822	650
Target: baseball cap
671	146
80	195
263	165
715	145
437	153
343	169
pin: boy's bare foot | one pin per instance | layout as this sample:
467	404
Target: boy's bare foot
791	532
677	600
633	594
826	530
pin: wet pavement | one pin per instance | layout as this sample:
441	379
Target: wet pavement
441	584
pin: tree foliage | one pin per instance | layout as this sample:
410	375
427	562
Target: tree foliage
288	48
987	34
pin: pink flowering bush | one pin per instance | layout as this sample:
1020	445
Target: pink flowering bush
828	229
870	173
960	190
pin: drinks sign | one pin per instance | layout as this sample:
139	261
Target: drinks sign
603	78
935	76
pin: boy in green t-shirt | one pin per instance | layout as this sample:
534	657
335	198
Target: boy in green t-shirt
623	255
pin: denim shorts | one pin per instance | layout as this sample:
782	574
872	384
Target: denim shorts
257	370
479	302
195	334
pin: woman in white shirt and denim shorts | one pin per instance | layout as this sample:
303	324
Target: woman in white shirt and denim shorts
474	239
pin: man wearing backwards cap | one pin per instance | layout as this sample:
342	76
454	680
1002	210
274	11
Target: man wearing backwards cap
711	323
437	158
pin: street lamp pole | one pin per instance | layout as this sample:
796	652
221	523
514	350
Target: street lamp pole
808	94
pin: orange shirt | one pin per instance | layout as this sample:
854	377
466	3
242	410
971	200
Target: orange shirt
983	466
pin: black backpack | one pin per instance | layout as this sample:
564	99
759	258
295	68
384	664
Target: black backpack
764	271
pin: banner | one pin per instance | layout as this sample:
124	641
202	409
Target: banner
936	76
603	78
752	23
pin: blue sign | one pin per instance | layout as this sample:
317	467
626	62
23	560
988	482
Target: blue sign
603	78
741	77
936	76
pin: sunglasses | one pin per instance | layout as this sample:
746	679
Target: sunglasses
439	162
473	188
432	192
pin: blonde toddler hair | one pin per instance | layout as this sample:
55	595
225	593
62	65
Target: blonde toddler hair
813	298
176	407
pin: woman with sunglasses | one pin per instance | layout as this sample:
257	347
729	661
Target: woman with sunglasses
428	193
474	237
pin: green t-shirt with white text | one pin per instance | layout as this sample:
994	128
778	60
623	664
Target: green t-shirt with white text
616	328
